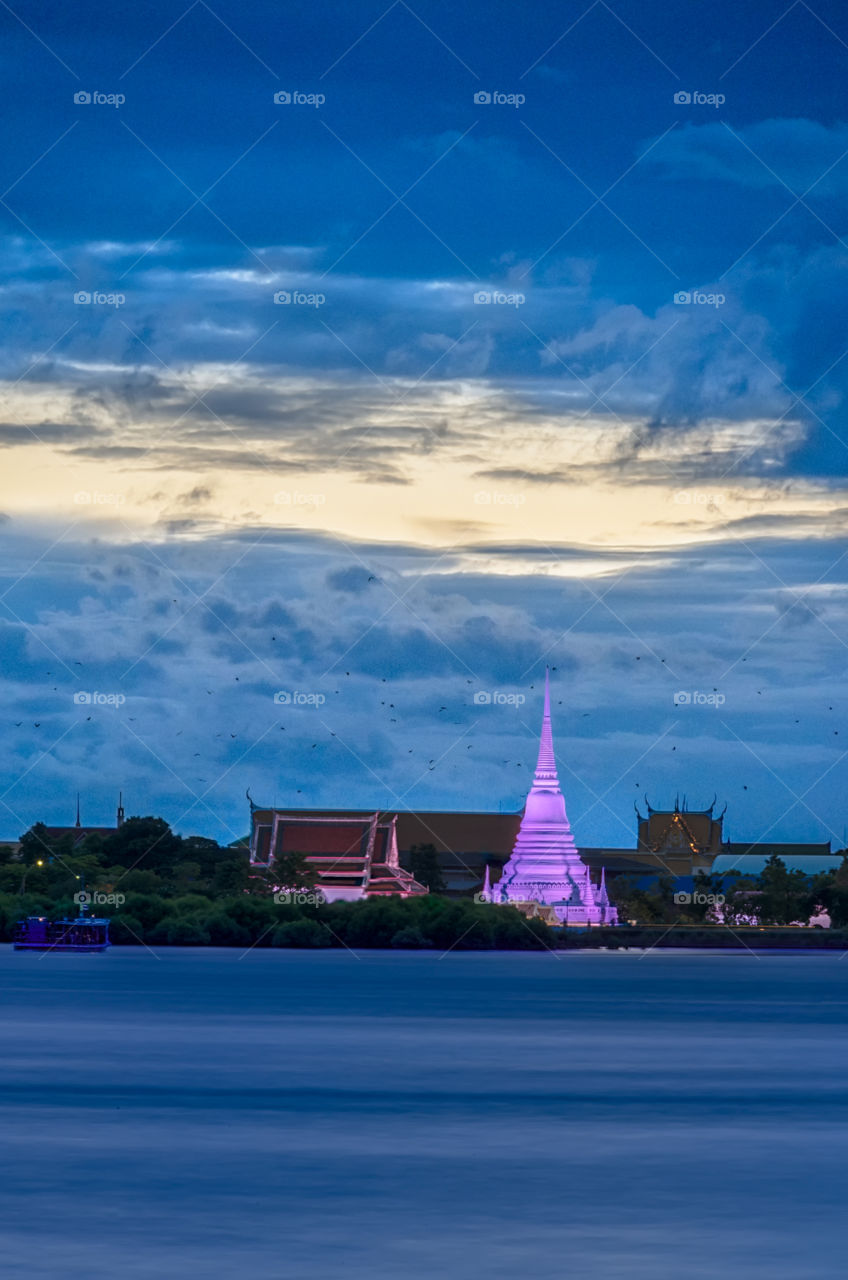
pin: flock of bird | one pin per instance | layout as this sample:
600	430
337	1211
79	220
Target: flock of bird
432	763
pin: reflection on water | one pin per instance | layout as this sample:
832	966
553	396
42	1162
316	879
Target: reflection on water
319	1115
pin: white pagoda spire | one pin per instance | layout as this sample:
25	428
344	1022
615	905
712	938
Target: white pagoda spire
546	771
546	866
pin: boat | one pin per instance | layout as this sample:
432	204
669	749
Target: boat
85	933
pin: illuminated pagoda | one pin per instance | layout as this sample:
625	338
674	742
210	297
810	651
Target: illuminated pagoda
546	867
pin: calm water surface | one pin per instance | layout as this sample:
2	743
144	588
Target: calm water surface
319	1115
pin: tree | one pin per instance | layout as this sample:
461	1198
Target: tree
232	876
36	851
424	865
785	896
291	870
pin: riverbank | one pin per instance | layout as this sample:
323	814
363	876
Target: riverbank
412	924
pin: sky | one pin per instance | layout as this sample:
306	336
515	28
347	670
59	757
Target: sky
360	361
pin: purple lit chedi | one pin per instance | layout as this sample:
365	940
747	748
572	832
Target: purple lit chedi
546	866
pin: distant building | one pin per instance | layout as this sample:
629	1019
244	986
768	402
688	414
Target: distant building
467	843
677	841
353	855
78	832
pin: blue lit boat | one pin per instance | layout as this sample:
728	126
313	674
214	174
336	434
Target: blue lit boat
85	933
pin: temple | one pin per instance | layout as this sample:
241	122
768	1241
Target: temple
546	868
351	855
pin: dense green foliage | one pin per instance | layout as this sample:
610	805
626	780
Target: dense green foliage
777	896
172	891
250	920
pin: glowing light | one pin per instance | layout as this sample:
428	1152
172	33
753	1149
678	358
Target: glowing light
546	866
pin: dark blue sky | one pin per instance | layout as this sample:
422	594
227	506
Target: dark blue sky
435	494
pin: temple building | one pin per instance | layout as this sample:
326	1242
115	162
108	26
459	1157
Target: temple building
545	866
353	855
683	840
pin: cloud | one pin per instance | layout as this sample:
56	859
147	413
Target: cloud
352	579
199	672
796	153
